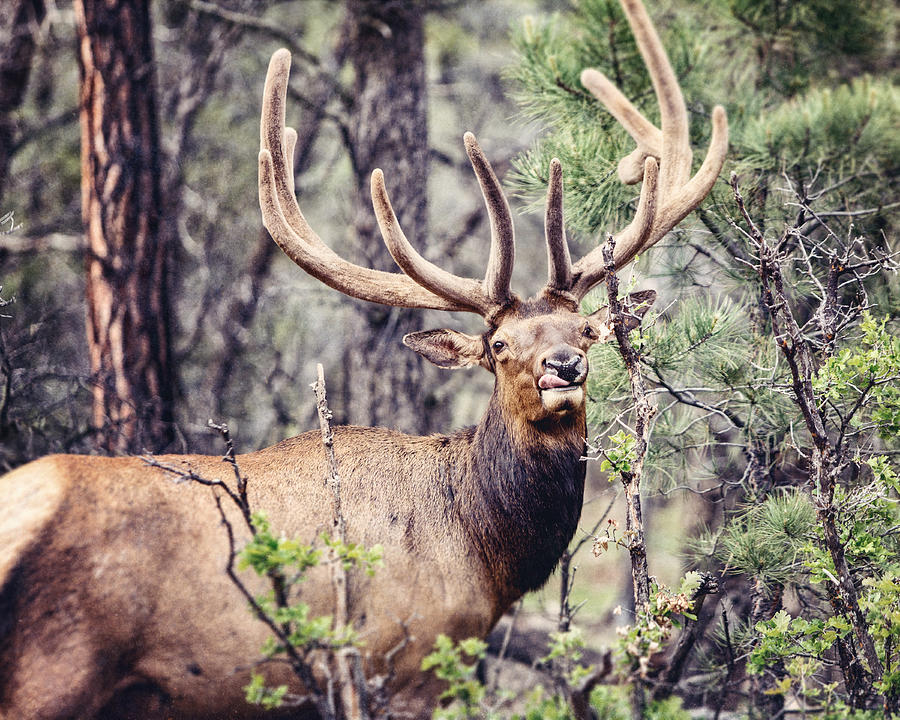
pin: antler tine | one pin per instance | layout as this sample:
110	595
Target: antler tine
290	144
675	159
698	187
484	297
464	292
559	263
647	136
591	269
275	139
285	222
665	199
503	250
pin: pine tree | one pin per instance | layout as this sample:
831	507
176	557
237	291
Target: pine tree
774	363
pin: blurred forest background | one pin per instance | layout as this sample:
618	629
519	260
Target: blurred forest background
775	439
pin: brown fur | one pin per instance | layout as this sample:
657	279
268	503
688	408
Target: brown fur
114	598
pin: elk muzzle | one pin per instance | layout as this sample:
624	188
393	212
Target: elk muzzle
561	375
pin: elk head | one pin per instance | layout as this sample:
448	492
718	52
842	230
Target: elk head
537	347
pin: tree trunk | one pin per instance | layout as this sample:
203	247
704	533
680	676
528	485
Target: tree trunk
128	313
384	383
18	21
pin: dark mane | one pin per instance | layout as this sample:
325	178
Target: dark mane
528	500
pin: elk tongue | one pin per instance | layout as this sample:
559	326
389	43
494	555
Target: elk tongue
548	382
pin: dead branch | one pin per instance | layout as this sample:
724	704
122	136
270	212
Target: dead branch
297	660
352	682
631	479
644	413
826	460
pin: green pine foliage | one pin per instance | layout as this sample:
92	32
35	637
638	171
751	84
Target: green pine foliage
840	146
696	352
766	540
796	43
586	139
848	129
815	145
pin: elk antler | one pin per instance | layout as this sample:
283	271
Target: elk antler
424	285
484	296
662	158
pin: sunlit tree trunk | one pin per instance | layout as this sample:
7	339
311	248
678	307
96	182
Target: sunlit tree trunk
128	315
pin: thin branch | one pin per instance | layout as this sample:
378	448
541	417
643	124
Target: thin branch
297	660
504	646
354	691
826	460
644	412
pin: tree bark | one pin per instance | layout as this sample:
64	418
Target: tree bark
18	21
383	382
128	310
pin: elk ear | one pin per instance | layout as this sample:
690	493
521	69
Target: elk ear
634	307
447	348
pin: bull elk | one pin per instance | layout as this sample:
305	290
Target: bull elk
113	598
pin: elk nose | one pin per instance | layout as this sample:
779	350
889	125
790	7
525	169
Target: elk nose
569	365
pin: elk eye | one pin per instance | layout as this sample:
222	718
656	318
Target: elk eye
498	345
588	332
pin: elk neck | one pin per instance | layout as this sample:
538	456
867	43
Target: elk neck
527	491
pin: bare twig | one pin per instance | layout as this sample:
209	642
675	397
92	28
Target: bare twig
729	665
353	687
296	658
504	646
826	460
631	479
230	458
